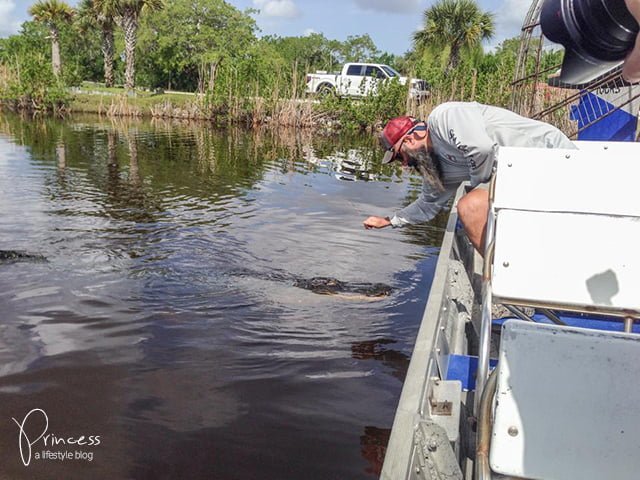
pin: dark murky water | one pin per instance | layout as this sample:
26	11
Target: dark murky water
143	348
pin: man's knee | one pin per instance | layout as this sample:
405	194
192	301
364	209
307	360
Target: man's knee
473	206
472	211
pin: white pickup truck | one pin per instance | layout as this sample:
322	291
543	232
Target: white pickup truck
361	79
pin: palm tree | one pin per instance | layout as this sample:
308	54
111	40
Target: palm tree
127	15
457	24
52	13
91	17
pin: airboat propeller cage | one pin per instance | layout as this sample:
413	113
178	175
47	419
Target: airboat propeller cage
596	35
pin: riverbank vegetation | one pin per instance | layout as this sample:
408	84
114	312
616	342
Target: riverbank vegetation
126	57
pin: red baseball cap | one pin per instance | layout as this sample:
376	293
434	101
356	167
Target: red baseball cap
392	133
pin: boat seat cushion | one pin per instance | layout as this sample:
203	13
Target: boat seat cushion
601	180
571	261
566	228
567	403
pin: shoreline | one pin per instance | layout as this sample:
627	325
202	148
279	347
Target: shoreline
330	115
255	111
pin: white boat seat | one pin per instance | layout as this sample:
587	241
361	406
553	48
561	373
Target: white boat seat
567	403
567	229
567	261
597	180
566	236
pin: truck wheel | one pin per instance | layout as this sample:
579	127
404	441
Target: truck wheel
325	90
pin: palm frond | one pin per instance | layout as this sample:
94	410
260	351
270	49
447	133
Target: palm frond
51	11
458	24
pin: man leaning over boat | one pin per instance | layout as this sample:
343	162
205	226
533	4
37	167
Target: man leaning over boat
458	142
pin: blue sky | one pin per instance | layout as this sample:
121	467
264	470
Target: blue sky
390	23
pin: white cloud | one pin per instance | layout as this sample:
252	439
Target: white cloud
391	6
8	24
510	17
277	8
309	31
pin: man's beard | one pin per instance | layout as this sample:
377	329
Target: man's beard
422	161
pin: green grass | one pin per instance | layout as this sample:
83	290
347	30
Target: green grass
96	98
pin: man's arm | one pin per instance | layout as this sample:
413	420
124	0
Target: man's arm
423	209
631	68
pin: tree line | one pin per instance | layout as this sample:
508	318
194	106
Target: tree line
211	47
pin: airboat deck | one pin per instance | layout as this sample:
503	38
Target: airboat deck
563	400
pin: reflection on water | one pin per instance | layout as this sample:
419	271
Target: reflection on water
139	329
374	444
377	350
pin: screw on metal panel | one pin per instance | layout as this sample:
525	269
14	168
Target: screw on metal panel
509	164
606	147
567	156
442	328
433	446
505	264
513	431
417	469
437	350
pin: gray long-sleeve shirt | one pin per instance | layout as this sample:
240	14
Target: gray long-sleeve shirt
465	137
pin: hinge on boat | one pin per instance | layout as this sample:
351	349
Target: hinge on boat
443	404
438	404
440	408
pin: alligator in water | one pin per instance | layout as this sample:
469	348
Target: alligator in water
333	286
324	285
12	256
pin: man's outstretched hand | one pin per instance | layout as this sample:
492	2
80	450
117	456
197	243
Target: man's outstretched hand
376	222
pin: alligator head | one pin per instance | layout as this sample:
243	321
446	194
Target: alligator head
333	286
